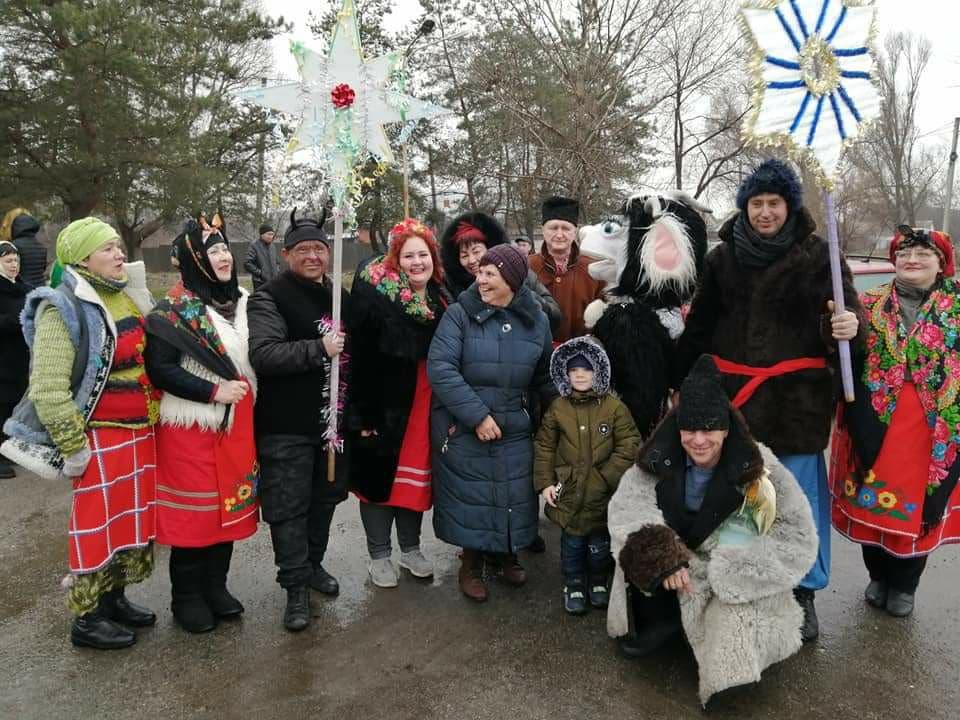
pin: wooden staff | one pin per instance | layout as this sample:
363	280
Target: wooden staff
332	428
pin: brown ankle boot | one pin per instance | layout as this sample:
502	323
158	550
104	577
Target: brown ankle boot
471	575
511	570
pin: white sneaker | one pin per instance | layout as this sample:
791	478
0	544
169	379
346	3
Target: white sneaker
416	563
382	573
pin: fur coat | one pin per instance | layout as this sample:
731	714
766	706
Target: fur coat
741	616
762	317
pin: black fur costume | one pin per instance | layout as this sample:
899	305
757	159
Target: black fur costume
640	320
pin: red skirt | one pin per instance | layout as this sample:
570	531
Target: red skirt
207	482
887	508
412	484
114	501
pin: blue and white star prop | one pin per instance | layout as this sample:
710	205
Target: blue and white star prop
813	71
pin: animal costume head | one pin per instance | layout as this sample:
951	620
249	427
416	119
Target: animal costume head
653	249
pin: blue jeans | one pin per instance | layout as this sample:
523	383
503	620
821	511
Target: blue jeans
811	472
581	555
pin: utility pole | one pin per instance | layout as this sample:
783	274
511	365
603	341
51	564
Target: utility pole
260	144
950	175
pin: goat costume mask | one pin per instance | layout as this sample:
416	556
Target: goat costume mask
651	254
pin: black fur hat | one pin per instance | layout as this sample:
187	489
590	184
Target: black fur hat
301	229
650	555
703	401
561	208
456	277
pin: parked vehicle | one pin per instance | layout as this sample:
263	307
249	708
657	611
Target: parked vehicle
868	272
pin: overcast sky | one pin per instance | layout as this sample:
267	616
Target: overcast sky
939	20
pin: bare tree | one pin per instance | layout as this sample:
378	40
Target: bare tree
898	167
698	52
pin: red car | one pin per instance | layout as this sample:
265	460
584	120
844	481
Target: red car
868	272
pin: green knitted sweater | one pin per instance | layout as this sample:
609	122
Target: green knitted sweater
53	357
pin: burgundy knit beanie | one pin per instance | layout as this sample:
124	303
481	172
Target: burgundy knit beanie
511	263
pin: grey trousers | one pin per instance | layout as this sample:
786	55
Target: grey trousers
378	523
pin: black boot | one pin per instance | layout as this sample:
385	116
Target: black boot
324	582
187	575
115	606
810	630
598	591
296	617
6	470
574	596
96	631
653	621
221	603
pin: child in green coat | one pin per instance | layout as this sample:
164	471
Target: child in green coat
587	440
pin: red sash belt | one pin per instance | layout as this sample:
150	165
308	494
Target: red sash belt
759	375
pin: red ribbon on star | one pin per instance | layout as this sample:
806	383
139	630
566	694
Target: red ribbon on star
342	96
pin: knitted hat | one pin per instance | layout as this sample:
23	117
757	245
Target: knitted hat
773	177
703	401
8	248
935	240
305	229
579	361
81	238
511	263
264	229
561	208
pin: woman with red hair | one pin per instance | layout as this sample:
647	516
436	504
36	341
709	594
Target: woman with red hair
397	301
895	464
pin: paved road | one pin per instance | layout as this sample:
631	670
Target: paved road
421	651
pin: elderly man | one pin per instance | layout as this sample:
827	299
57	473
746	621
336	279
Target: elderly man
562	269
712	533
263	261
292	346
762	308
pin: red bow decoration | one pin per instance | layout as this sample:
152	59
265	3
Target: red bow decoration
342	96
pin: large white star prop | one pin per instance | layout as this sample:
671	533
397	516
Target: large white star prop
814	77
376	102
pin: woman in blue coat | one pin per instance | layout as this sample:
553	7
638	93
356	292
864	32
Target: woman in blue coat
491	350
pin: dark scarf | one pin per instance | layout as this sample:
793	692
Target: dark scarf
197	273
755	252
911	299
100	283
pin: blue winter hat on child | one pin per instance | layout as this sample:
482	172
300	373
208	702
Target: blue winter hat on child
579	361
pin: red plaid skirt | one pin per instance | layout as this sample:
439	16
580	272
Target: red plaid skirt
114	501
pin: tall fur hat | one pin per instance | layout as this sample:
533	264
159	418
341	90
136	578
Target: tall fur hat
772	176
703	401
561	208
650	555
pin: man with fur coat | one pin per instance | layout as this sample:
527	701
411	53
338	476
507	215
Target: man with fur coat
763	308
710	533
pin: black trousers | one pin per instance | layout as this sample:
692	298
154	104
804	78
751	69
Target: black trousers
901	574
298	502
646	610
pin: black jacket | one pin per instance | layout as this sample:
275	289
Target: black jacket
14	356
33	254
386	347
762	317
740	464
288	318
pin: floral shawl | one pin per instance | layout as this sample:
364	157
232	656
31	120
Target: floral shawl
181	319
396	287
931	352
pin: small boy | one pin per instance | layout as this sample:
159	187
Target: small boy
587	440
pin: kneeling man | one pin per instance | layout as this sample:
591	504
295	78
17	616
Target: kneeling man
711	534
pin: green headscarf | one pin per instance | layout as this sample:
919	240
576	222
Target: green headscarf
81	238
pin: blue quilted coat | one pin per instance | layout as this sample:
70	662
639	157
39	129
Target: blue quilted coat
484	361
